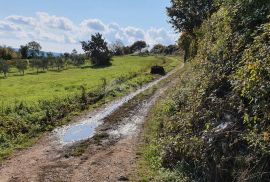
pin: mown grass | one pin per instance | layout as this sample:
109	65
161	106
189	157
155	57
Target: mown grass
31	88
35	111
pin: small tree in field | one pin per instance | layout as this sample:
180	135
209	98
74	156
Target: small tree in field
97	50
59	63
36	64
24	50
34	49
117	48
77	59
158	49
21	65
4	67
138	46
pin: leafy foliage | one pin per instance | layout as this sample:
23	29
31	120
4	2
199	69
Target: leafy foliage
97	50
215	127
8	53
188	14
22	65
138	46
24	51
34	49
4	67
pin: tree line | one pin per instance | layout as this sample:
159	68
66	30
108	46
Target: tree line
97	50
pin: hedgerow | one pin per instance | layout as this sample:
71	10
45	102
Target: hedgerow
215	125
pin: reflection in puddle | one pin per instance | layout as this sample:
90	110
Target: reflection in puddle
79	132
86	128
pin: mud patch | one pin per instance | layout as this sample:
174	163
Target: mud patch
109	155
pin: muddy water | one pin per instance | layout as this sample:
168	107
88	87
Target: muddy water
86	128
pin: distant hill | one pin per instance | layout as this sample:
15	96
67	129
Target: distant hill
56	54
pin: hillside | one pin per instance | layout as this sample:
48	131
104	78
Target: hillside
214	125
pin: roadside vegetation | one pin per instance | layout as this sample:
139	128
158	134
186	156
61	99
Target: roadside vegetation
41	90
32	105
214	126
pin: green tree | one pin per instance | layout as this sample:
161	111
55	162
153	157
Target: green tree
97	50
117	48
36	64
21	65
50	55
138	46
79	60
126	50
44	63
184	42
158	49
8	53
171	49
24	50
34	49
59	63
50	58
75	58
185	15
4	67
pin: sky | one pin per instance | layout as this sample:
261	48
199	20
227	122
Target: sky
60	25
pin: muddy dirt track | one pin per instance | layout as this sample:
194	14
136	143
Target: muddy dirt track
110	155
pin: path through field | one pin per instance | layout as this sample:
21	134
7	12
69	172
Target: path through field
108	155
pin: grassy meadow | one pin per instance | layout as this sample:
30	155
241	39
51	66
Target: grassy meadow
32	88
33	104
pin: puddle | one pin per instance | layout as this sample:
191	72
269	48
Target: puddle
85	129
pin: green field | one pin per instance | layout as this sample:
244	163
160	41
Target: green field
32	88
32	104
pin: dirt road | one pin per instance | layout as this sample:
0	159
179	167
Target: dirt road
110	155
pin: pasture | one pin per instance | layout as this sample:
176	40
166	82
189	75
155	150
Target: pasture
32	88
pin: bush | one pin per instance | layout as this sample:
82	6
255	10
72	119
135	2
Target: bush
158	70
215	127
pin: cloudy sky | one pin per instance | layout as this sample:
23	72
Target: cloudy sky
59	25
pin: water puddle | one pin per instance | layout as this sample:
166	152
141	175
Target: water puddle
86	128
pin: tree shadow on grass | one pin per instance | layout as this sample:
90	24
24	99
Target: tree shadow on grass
57	71
101	66
18	75
35	73
97	66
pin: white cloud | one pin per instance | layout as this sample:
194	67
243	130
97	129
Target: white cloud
155	36
6	26
55	21
94	25
21	20
59	34
114	26
134	33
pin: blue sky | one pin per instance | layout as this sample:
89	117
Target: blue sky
59	25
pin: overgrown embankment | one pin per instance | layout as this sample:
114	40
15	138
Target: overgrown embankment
22	123
215	125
